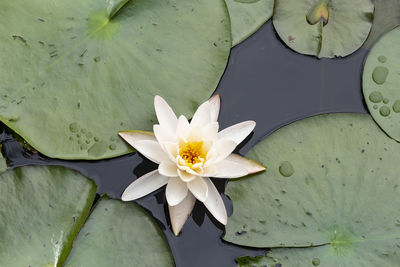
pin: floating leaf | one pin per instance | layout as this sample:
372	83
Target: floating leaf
120	234
247	16
74	73
381	83
41	210
323	28
340	192
386	18
3	163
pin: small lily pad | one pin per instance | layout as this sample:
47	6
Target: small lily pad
41	211
343	195
247	16
323	28
74	73
120	234
381	83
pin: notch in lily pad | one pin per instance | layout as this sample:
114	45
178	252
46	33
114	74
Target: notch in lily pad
319	12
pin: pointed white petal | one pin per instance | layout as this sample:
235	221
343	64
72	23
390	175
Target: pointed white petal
202	116
195	134
165	115
163	135
210	131
176	191
183	128
185	176
178	214
237	132
151	150
251	165
220	150
171	150
226	169
199	188
131	137
215	204
168	168
144	185
215	102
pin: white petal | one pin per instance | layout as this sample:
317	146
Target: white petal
210	131
163	135
251	165
185	176
178	214
176	191
237	132
220	150
172	150
151	150
144	185
225	169
202	116
131	137
183	128
168	168
195	134
215	102
199	188
165	115
215	204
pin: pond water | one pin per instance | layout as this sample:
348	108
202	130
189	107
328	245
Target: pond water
265	81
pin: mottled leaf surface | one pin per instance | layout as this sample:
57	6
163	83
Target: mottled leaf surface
331	181
41	210
120	234
74	73
342	31
247	16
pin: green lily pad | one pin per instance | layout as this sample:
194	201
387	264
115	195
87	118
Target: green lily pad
381	83
341	192
41	211
323	28
386	18
3	163
74	73
120	234
247	16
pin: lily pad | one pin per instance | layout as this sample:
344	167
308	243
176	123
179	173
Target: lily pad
341	193
247	16
323	28
41	211
381	83
120	234
74	73
386	18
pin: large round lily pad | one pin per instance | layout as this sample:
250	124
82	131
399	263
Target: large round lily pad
41	211
120	234
247	16
74	73
323	28
332	181
381	83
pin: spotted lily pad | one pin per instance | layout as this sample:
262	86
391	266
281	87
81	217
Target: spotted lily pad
381	83
120	234
41	211
323	28
247	16
74	73
332	181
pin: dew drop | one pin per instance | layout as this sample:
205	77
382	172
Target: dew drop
96	139
316	262
396	106
375	97
380	74
79	142
382	59
384	111
112	146
286	169
84	146
83	130
78	135
74	127
87	141
386	100
375	106
112	139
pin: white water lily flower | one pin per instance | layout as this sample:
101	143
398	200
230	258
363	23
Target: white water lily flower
188	154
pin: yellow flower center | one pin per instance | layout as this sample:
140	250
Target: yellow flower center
192	153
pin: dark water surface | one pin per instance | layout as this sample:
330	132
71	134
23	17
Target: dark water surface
265	81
